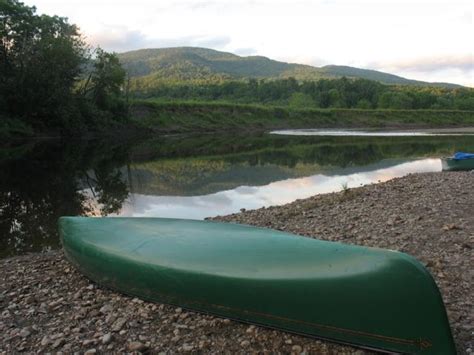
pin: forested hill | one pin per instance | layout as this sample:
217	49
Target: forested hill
204	65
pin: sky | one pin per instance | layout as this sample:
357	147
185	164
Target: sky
419	39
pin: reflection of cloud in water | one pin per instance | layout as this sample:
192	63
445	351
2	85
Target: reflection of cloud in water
276	193
247	189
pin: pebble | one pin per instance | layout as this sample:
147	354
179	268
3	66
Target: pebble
87	342
250	329
296	349
106	309
45	341
25	333
119	323
187	347
57	343
107	338
136	346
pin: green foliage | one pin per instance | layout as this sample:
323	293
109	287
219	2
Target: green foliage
324	93
187	73
395	100
197	116
363	104
301	100
106	82
153	67
42	59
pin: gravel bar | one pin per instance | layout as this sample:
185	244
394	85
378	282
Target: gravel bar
47	306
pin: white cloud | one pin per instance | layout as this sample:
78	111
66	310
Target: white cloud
245	51
121	39
463	63
449	68
344	32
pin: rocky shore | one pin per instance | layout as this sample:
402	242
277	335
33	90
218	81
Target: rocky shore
47	306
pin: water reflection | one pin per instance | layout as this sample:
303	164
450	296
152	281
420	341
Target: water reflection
276	193
189	177
46	181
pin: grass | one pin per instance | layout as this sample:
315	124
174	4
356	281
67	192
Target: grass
348	193
345	187
160	116
196	116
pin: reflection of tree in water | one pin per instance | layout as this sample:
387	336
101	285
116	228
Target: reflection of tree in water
42	182
108	189
45	183
347	151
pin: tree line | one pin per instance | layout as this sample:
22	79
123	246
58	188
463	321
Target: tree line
50	78
324	93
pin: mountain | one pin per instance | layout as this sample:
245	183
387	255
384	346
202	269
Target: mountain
202	64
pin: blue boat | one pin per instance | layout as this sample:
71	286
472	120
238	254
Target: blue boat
458	162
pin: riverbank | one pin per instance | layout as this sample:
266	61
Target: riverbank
14	129
46	305
189	116
152	117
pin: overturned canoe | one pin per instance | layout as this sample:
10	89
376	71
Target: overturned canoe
363	296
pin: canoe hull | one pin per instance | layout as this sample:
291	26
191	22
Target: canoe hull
363	296
450	164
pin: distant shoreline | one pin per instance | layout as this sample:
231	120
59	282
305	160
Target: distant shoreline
441	130
447	130
197	117
148	117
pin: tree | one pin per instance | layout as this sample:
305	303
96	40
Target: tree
335	98
108	78
363	103
300	100
41	60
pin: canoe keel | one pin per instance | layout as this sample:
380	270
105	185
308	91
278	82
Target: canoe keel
363	296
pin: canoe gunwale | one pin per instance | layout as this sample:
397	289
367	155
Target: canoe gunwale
420	343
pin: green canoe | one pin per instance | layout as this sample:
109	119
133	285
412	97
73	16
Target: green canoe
368	297
450	164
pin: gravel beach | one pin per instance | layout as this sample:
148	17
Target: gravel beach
47	306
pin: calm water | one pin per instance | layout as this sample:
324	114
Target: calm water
191	177
359	133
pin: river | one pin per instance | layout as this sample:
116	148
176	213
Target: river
193	176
